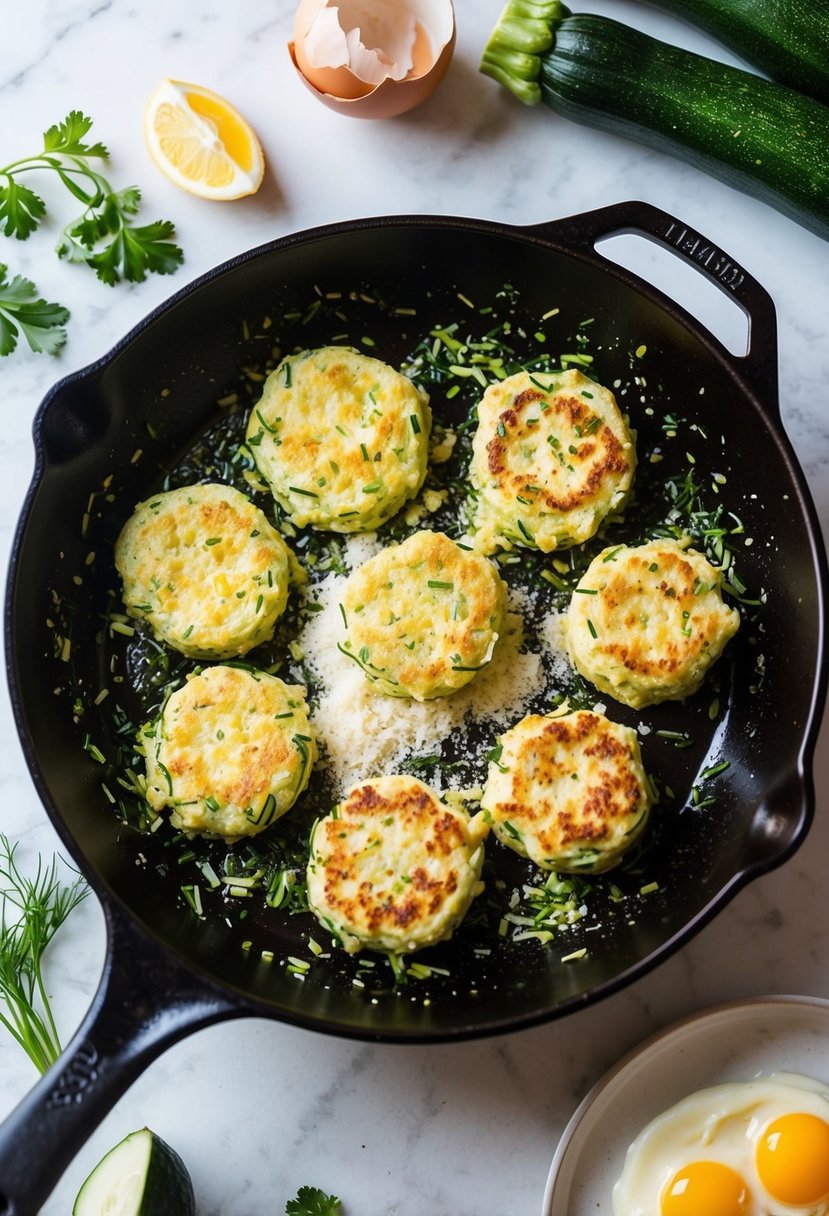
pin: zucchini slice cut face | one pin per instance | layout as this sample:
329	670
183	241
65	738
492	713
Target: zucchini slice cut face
140	1176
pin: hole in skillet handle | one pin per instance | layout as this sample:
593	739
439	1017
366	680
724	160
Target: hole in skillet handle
708	304
748	340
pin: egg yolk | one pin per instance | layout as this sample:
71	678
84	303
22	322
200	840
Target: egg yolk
705	1187
793	1158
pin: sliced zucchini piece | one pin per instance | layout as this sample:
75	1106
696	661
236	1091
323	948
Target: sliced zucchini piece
141	1176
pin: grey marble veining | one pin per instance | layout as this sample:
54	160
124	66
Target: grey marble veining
257	1108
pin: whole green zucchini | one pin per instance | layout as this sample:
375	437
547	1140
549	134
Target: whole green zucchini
761	137
788	39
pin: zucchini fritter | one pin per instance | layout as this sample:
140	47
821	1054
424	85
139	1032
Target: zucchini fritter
393	868
422	617
552	456
230	752
205	569
341	438
569	792
646	623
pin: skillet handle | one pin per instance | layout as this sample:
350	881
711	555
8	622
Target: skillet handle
759	364
145	1002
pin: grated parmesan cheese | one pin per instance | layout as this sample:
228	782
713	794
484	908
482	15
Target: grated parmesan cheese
365	734
552	633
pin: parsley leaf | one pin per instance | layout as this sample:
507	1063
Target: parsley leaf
106	240
311	1201
21	210
22	312
104	235
66	137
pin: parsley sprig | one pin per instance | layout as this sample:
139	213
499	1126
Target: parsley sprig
31	912
103	235
23	312
311	1201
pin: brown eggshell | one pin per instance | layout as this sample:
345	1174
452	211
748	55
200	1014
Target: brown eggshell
340	90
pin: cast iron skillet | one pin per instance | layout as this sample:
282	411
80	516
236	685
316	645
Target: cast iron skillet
105	437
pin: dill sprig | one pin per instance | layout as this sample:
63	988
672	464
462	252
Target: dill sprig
31	912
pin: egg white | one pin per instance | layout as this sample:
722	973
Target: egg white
722	1123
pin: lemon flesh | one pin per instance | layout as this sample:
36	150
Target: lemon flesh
201	142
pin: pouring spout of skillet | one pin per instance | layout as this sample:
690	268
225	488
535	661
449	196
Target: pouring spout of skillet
732	763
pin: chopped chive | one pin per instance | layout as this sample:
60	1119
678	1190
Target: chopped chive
553	579
267	427
715	769
680	738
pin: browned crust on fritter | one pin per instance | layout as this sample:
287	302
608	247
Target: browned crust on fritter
600	456
684	636
594	811
266	751
389	903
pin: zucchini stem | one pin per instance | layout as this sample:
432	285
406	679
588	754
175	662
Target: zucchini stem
525	30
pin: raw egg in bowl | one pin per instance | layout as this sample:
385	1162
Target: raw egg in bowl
752	1148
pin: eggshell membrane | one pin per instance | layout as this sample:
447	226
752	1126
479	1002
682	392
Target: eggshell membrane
340	90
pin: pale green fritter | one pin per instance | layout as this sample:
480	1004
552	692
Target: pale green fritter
423	617
205	569
552	457
230	753
646	623
394	868
342	439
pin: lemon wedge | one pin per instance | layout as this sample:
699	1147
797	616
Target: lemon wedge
201	142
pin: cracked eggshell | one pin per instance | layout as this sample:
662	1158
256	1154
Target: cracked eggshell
373	58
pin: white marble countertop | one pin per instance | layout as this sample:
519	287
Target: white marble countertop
257	1108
